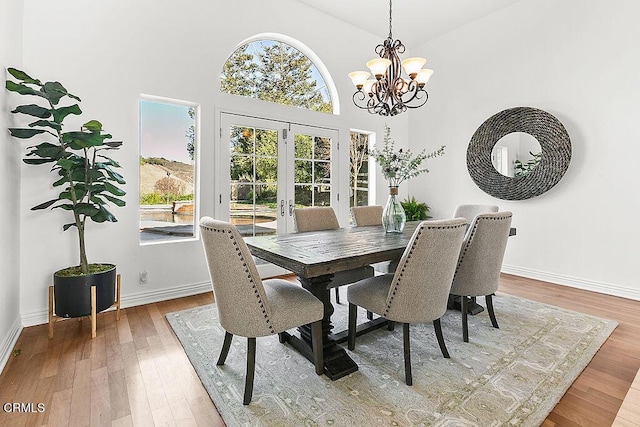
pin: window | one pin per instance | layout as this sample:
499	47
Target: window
359	170
312	170
167	169
275	71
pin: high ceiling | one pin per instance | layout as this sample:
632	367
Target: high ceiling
414	21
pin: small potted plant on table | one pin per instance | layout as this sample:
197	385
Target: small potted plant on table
87	181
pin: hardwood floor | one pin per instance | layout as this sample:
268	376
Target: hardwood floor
596	395
136	373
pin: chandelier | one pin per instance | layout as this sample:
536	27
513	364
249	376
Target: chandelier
389	93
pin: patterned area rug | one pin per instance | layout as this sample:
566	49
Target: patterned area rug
513	376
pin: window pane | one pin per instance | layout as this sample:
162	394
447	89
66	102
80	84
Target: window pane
322	195
359	169
254	174
322	172
303	146
266	209
303	170
266	169
242	168
266	142
240	194
241	140
322	148
303	196
253	68
167	162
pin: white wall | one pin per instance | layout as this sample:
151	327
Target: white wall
108	53
10	56
579	61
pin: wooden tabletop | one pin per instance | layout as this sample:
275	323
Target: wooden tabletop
317	253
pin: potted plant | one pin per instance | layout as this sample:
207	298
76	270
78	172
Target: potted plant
87	181
414	210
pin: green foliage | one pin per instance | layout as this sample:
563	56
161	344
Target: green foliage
521	169
77	270
161	199
191	135
86	177
400	165
161	161
414	210
277	73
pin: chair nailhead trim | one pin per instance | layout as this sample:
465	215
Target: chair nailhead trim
247	271
472	235
415	242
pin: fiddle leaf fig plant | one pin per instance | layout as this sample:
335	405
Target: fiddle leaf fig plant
86	177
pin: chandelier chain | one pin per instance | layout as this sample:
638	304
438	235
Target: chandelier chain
390	36
390	94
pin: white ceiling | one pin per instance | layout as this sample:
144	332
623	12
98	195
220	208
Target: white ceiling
414	21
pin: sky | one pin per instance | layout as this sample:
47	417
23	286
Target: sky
163	128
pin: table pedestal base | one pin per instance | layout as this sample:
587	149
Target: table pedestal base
473	307
337	362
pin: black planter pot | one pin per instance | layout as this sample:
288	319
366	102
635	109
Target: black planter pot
72	295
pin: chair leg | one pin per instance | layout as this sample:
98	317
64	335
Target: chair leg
316	343
492	314
465	325
337	295
351	337
407	354
369	315
391	325
438	329
225	348
251	367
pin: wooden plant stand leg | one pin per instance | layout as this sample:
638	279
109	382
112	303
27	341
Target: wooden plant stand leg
93	316
93	312
118	297
51	321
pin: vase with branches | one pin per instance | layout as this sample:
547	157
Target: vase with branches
398	166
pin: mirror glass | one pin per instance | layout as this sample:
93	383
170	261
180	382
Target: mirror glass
516	154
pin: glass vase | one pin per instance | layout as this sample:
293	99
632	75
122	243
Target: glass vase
393	216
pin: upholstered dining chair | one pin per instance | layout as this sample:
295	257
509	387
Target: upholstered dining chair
470	211
324	218
372	215
249	307
367	215
418	291
480	261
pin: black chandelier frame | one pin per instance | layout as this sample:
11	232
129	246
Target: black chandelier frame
391	94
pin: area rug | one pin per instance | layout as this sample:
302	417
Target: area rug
511	376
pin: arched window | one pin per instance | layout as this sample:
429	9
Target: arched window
276	71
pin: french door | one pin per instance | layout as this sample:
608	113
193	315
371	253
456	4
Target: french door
274	167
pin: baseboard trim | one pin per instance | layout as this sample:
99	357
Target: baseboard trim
140	298
585	284
40	317
6	347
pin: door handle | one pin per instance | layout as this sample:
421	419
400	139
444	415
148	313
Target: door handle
282	207
290	207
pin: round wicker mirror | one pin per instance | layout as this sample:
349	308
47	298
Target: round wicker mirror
545	128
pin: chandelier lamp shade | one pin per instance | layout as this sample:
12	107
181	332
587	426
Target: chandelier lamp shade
390	93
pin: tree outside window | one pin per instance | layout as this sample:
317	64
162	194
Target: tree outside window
359	173
274	71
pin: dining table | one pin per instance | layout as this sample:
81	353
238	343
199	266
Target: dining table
315	257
